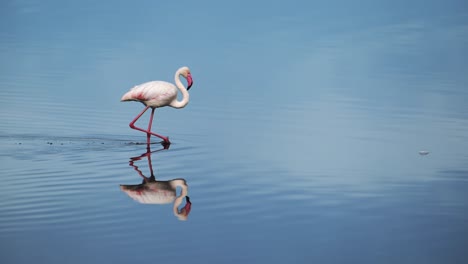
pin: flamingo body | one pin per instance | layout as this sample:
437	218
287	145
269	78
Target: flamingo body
154	94
155	192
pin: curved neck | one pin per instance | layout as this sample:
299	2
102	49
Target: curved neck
178	201
183	90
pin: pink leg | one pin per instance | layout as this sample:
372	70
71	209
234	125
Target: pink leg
148	155
148	132
166	139
150	164
148	135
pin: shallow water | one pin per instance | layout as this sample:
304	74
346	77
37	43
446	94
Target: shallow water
301	143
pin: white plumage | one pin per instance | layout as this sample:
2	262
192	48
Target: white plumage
153	94
158	192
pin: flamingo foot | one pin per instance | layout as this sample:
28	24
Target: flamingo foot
165	139
166	142
149	133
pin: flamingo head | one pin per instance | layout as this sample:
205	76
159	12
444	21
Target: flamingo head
185	71
183	213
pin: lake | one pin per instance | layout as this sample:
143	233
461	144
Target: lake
317	132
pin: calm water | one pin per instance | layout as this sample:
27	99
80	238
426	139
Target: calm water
300	143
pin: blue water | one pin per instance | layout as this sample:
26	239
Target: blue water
301	142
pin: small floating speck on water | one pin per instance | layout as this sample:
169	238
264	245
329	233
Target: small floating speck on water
423	152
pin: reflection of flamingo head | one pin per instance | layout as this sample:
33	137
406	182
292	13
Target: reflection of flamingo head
183	213
161	192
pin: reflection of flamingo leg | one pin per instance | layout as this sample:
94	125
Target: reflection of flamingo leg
135	167
150	164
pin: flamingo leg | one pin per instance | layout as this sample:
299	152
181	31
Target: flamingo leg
150	124
148	132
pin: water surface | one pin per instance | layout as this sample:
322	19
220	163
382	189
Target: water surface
301	142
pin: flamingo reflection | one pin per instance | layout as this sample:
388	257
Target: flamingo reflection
152	191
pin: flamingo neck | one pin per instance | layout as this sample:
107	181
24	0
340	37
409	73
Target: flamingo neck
183	90
178	201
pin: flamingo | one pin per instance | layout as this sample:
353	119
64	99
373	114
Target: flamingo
156	94
152	191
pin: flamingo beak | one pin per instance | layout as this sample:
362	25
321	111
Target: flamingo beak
189	81
188	205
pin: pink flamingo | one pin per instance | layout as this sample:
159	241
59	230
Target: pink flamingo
152	191
158	94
